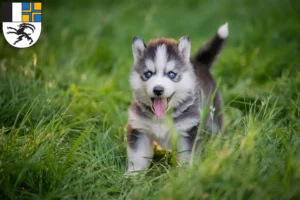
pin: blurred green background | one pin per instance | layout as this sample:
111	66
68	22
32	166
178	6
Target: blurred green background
63	102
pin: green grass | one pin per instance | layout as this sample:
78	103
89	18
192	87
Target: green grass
63	103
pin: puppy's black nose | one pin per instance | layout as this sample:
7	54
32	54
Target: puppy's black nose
158	90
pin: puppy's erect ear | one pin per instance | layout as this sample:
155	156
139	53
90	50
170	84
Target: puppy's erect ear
184	47
138	47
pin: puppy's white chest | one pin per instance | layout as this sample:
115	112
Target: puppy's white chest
159	130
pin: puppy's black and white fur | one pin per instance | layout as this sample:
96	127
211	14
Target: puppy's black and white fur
164	78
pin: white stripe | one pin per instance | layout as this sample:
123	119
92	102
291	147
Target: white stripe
17	12
161	58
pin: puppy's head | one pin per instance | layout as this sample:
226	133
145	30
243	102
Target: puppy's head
162	74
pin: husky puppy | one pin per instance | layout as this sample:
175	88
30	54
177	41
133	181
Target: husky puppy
164	78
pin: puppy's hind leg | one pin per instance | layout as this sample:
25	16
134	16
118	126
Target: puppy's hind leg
139	150
184	151
185	146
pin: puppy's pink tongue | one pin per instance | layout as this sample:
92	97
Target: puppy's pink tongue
160	106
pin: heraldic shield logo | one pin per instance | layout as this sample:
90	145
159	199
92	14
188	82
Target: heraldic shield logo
22	23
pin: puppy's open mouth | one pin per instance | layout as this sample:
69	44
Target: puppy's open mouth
160	105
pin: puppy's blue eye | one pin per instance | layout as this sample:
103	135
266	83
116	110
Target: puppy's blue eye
148	74
172	75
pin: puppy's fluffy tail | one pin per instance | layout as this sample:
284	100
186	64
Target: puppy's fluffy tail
208	54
